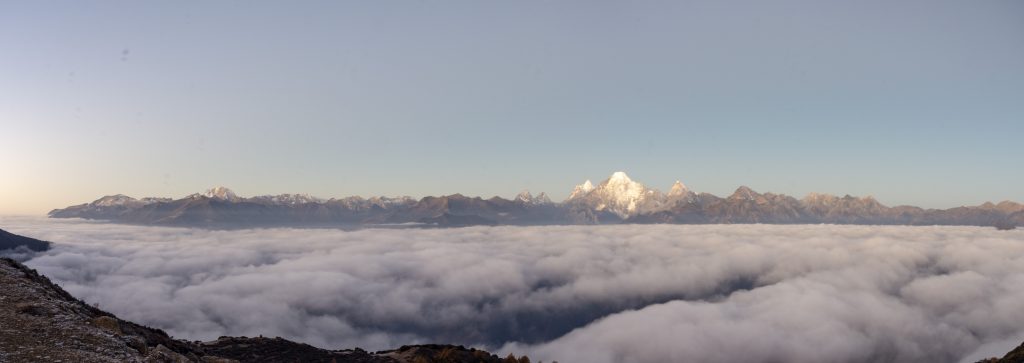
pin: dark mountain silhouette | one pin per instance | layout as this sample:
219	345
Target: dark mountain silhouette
11	241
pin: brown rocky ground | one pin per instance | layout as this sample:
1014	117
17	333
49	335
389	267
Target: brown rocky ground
1014	356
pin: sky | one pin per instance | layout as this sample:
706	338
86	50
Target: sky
913	102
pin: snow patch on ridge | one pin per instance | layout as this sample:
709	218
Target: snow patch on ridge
221	193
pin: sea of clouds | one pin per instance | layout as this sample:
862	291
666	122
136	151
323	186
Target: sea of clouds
632	293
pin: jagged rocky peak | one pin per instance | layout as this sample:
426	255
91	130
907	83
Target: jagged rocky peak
526	198
221	193
678	189
582	190
620	177
679	193
386	202
819	198
744	192
619	195
289	199
829	199
621	188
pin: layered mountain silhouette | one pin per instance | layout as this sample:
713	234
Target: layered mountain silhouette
20	248
615	200
11	241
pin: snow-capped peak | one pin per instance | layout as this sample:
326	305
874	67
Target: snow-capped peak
678	189
124	200
622	191
620	177
526	198
221	193
112	200
288	199
581	190
744	192
619	195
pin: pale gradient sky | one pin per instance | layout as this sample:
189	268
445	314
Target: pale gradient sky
914	102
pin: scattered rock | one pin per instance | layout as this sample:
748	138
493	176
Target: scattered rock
107	323
138	344
161	354
32	309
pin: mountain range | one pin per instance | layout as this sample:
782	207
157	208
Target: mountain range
615	200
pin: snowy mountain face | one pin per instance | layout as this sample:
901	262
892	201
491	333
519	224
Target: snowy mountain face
114	200
581	190
389	202
524	197
619	195
678	190
221	193
121	200
528	199
542	198
360	203
287	199
679	193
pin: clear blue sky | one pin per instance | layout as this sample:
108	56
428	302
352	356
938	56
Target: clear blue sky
914	102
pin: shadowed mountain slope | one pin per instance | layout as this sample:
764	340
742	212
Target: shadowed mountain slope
1014	356
10	241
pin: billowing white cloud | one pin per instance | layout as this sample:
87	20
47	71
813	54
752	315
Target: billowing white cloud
716	293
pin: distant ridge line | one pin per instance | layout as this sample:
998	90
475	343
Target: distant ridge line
616	200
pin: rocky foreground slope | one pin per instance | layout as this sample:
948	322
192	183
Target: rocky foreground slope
1014	356
40	322
618	199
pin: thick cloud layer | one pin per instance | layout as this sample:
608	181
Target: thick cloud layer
576	294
